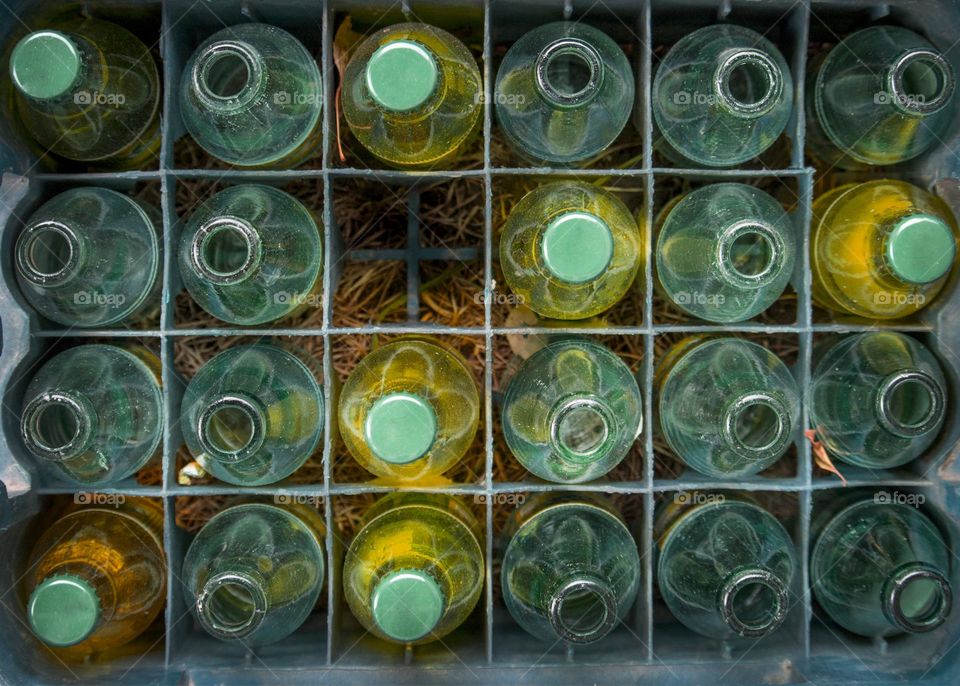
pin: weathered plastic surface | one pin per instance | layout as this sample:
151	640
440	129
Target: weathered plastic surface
651	647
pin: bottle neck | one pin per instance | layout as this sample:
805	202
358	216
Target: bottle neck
920	82
756	425
226	250
750	255
232	605
65	609
231	428
582	428
569	73
49	254
58	425
917	598
229	76
747	83
49	66
583	609
752	602
910	403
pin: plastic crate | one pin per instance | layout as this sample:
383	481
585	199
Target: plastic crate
650	647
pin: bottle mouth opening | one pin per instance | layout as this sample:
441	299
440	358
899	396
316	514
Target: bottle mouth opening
918	598
48	253
56	426
569	72
910	403
583	611
748	83
756	424
231	428
226	250
581	428
750	254
231	605
753	603
227	75
921	82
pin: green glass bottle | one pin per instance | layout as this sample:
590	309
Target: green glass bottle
251	95
725	565
253	414
728	407
724	252
91	257
252	254
572	411
570	250
93	414
412	95
97	578
415	570
571	570
255	571
881	249
721	96
880	568
88	90
409	410
882	95
564	92
877	399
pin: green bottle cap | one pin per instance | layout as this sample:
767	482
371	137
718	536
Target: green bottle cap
921	248
577	246
400	427
44	64
63	610
407	604
401	75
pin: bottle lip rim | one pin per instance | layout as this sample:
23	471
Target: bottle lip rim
774	242
208	55
26	265
203	604
735	409
888	388
736	582
220	224
897	584
83	414
909	103
569	404
736	58
253	413
588	54
579	584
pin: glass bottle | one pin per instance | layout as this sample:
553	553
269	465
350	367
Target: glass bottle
412	95
564	92
725	565
880	249
253	414
880	567
882	95
93	414
410	409
91	257
877	399
255	571
415	569
251	95
88	90
571	570
721	96
728	407
570	250
724	252
572	411
252	254
97	578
